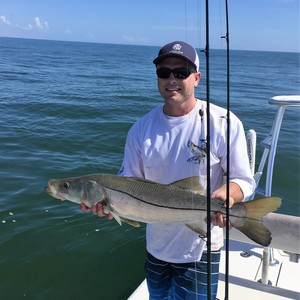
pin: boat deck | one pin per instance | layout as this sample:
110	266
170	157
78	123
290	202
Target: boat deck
284	276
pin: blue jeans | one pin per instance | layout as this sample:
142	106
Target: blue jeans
186	281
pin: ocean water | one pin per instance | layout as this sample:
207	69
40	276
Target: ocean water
65	109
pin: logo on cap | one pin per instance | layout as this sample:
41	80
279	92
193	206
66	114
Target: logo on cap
177	47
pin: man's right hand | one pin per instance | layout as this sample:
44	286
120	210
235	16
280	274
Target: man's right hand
97	210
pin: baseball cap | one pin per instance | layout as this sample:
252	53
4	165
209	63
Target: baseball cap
181	50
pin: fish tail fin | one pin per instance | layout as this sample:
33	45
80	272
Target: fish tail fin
257	232
252	226
258	208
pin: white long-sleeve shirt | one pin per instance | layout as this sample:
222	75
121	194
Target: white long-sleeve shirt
158	148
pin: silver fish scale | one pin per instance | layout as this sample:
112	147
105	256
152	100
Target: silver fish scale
155	194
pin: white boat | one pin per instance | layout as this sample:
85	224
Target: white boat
256	272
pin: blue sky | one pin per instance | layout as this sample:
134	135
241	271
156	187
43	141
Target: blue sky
271	25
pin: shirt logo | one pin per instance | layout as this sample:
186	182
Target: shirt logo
199	152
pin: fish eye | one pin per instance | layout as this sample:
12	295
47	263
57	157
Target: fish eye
66	185
222	203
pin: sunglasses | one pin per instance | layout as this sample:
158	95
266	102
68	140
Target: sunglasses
179	73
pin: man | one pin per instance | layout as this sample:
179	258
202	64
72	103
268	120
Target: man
169	144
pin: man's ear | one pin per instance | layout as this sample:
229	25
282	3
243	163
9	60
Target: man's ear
197	79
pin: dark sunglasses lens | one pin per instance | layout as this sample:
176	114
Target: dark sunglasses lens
163	72
181	73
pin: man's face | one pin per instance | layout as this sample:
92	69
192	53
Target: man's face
177	92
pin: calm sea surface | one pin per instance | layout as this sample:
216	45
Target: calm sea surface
65	109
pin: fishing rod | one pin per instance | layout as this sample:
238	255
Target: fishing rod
207	54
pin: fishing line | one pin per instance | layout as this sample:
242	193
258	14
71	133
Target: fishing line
198	20
201	237
221	13
186	39
208	244
185	11
226	37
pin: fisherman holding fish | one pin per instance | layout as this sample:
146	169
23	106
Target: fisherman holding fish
169	144
163	182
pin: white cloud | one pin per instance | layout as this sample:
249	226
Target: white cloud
37	24
28	27
40	25
4	20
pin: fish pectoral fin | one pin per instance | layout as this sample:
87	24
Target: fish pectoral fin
197	228
121	219
131	222
191	183
117	218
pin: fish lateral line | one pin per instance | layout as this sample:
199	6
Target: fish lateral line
152	204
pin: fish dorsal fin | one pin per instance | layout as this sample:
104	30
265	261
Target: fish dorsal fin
191	183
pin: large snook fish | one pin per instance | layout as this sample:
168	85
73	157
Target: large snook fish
134	200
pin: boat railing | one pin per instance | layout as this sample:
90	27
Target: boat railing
269	145
270	142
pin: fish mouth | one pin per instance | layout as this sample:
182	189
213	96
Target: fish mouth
54	193
48	190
